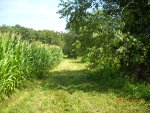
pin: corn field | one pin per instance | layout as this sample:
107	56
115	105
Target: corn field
21	61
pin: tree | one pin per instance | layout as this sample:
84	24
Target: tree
118	27
69	44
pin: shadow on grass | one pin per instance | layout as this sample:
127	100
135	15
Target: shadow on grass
72	81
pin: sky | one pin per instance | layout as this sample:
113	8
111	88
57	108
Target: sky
36	14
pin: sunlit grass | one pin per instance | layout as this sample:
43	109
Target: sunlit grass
70	89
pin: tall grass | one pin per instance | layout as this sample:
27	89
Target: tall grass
21	61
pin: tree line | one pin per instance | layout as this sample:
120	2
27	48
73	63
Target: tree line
45	36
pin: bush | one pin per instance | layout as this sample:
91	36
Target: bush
85	59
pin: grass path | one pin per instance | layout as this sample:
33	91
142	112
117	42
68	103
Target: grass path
68	89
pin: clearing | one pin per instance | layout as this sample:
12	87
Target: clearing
69	89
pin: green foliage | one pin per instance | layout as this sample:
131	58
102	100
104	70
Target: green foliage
123	86
21	61
69	48
85	59
56	55
44	36
114	34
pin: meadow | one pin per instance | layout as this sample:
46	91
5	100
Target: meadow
71	88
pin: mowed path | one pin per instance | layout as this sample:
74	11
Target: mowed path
68	89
